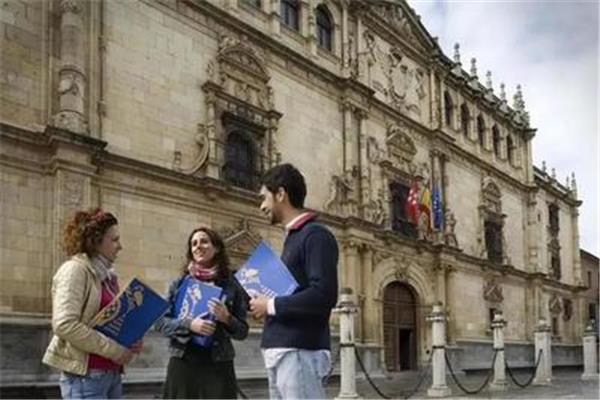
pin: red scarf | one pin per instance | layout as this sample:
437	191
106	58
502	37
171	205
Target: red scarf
202	272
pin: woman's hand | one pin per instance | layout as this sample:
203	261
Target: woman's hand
219	310
202	326
137	347
125	358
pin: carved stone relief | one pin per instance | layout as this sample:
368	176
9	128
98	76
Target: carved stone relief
400	82
492	291
240	239
449	227
555	305
341	200
400	147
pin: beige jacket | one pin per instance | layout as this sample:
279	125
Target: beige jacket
76	291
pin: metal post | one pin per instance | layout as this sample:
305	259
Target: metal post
543	341
498	324
590	357
346	309
438	387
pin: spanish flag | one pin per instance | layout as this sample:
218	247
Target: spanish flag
425	205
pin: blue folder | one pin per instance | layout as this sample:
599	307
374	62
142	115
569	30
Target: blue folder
131	313
192	301
264	273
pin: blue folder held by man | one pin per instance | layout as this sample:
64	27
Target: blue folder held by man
265	274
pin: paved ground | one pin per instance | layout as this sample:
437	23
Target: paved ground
566	384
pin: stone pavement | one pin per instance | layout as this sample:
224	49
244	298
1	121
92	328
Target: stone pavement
566	384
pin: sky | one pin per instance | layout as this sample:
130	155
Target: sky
550	48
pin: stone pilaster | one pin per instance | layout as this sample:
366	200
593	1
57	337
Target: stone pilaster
438	363
72	78
499	381
543	343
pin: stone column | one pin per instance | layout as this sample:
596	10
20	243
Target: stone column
346	309
438	387
71	74
274	24
543	342
590	357
498	324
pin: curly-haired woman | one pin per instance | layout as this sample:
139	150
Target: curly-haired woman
196	372
91	363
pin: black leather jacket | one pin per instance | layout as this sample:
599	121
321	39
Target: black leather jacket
178	331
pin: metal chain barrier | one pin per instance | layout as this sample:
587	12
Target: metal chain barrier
528	382
484	384
325	380
362	367
424	373
240	392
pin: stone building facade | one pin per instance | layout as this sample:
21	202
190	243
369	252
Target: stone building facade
590	266
165	112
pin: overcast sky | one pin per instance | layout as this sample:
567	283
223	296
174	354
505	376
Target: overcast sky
550	48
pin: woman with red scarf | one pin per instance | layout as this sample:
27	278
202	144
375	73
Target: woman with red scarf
204	372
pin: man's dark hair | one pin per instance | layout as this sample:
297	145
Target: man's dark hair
286	176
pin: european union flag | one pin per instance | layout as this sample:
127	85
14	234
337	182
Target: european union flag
437	207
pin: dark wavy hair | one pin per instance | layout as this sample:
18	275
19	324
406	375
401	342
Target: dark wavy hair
221	258
288	177
85	229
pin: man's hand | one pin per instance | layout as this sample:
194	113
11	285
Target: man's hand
258	307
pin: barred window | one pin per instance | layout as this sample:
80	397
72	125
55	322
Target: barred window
480	130
465	119
290	14
493	241
324	28
496	140
448	109
400	222
239	168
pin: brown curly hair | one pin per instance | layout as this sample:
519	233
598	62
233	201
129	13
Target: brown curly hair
85	229
221	259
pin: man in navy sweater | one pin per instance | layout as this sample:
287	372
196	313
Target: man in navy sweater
296	339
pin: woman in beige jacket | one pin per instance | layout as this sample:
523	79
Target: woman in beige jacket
91	363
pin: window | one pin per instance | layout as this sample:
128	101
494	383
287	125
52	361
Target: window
465	119
554	326
592	312
290	14
553	219
239	168
496	140
493	241
400	222
253	3
480	130
555	266
491	313
324	28
510	148
589	274
448	109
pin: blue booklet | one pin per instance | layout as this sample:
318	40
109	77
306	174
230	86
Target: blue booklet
131	313
264	273
192	301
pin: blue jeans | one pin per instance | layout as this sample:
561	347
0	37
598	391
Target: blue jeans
298	374
97	384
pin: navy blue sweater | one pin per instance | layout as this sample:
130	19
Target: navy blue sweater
310	252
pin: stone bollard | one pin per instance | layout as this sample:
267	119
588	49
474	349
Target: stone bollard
346	309
498	324
438	363
590	357
543	341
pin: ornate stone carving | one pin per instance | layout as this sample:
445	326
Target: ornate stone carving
449	226
241	238
492	292
201	141
341	200
401	148
396	17
554	305
403	85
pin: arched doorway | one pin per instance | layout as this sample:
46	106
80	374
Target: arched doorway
399	327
